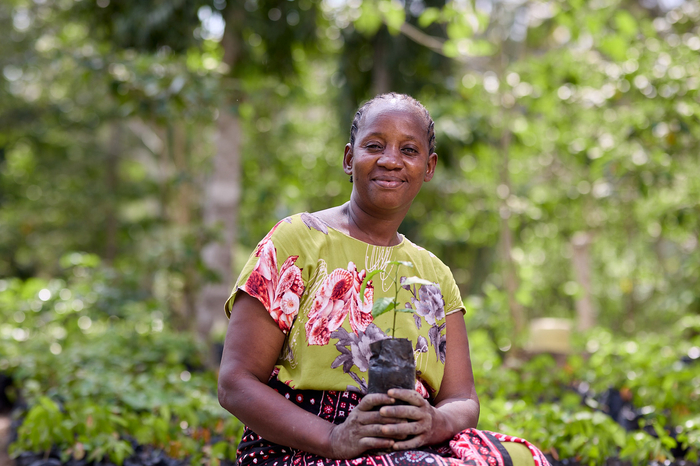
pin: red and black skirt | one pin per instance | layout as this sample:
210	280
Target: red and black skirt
470	447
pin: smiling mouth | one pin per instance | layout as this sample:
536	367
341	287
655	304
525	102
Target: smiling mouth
388	182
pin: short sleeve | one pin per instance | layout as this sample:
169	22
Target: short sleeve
450	291
272	276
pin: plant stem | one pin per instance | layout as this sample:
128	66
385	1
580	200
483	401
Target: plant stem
396	297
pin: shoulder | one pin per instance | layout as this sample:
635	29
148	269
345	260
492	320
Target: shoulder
428	257
442	276
302	235
296	228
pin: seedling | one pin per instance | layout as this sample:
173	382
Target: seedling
383	305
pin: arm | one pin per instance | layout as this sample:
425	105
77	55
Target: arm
457	398
253	343
456	405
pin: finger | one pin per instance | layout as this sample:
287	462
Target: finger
411	443
375	417
410	396
409	412
374	400
390	420
378	431
404	430
391	434
368	443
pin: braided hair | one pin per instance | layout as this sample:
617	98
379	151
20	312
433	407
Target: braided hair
401	97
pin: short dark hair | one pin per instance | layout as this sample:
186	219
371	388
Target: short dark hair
402	97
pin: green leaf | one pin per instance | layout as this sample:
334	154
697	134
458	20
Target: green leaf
615	47
366	282
619	437
394	15
219	449
626	23
481	48
370	19
459	29
428	17
452	48
415	280
406	263
382	306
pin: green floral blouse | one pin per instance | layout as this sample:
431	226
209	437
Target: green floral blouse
309	276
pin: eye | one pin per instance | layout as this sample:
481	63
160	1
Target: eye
410	150
373	146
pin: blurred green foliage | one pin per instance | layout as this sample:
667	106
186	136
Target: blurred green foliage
584	121
93	371
553	119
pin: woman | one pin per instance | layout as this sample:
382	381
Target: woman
296	313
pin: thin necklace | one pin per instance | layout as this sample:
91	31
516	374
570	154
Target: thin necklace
352	220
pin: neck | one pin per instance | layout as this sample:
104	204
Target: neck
380	231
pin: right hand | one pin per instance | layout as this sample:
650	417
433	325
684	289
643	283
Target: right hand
362	430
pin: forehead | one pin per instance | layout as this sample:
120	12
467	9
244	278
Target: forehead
394	114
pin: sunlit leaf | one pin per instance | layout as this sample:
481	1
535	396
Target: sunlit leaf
428	17
370	19
382	306
459	29
625	23
394	15
415	281
450	49
615	47
406	263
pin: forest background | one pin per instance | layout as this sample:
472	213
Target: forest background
146	146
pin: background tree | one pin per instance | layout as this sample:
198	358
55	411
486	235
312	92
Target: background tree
565	132
142	142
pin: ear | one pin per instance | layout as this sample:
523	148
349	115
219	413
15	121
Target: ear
430	171
347	159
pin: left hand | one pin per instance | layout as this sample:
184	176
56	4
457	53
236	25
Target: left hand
422	417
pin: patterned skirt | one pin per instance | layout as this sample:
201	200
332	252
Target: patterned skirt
470	447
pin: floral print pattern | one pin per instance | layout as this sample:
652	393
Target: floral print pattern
279	291
429	304
439	341
338	296
311	221
420	388
354	350
304	273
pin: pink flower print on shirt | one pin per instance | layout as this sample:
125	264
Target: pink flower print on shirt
420	388
338	296
360	310
268	236
278	292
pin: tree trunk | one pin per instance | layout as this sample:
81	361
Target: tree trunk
179	143
381	79
581	262
221	197
111	225
510	272
222	189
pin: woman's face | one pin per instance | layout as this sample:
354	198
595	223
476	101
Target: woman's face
390	159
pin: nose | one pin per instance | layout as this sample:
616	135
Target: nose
390	158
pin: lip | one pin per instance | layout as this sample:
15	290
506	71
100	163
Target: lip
388	182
